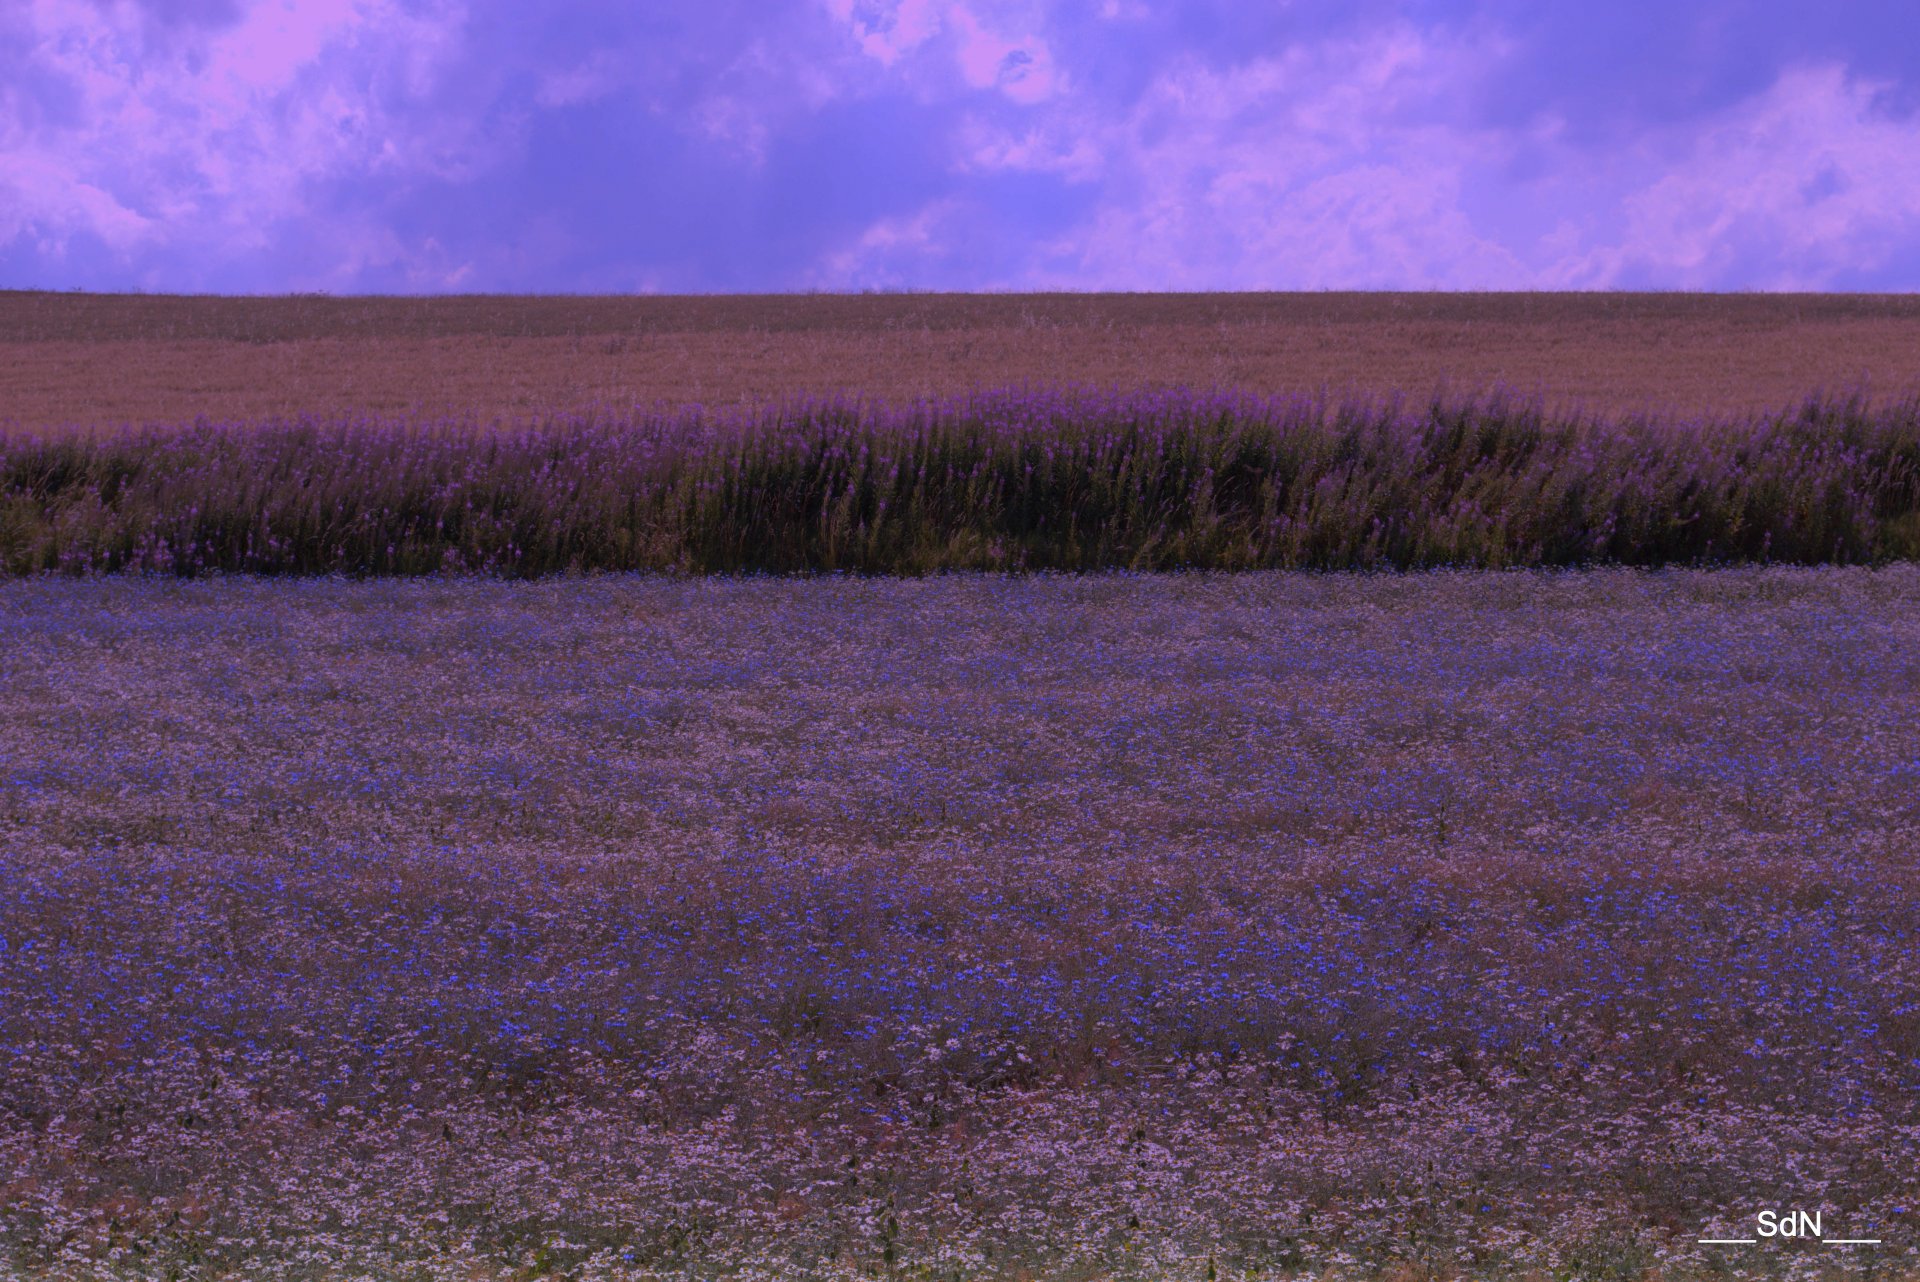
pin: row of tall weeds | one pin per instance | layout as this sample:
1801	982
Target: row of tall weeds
1071	480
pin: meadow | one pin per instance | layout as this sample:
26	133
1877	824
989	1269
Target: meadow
1516	924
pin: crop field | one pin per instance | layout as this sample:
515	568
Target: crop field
959	789
108	360
969	926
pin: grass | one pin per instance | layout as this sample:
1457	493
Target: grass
1028	480
1523	925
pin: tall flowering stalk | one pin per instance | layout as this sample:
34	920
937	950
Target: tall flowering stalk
1068	479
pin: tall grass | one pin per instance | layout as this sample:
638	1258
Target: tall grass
1008	480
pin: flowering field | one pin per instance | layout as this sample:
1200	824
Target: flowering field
1022	480
1268	925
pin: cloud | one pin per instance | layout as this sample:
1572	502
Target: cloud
194	128
1020	67
1364	161
1808	183
728	144
40	196
598	76
890	29
884	255
1331	164
995	50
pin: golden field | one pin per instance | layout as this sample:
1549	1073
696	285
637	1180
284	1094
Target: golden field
106	360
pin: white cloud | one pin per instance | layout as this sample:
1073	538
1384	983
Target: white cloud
891	252
362	248
1349	163
1022	68
889	29
273	43
1330	160
1327	165
38	193
985	54
1807	179
213	136
757	91
596	77
1038	146
734	121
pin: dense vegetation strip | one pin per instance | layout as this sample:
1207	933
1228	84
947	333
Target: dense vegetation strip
1047	480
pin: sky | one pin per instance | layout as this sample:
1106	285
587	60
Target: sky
719	146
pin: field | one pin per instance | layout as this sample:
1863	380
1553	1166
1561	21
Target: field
109	360
1480	922
370	912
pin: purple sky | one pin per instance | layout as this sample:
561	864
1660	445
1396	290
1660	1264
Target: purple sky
415	146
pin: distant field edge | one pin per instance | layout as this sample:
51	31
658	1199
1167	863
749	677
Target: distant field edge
46	315
1051	480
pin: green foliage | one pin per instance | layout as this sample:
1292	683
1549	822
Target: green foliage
1064	481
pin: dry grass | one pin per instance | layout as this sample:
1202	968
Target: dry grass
107	360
